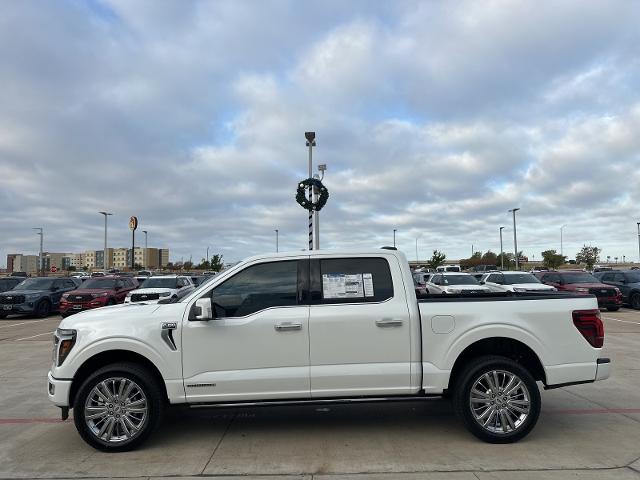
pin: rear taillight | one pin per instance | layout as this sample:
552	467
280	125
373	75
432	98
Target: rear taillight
590	325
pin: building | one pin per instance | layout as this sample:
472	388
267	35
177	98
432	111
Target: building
51	259
76	260
25	263
163	257
120	258
90	259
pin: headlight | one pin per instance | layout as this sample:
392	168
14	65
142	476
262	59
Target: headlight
165	294
582	290
453	290
65	295
518	289
617	290
129	295
31	296
97	295
63	342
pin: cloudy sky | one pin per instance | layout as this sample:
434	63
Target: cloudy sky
434	118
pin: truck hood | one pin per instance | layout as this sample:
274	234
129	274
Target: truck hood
84	291
113	314
574	286
532	286
468	287
13	293
154	290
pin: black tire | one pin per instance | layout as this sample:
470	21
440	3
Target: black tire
155	404
3	315
43	309
110	302
473	372
613	309
635	301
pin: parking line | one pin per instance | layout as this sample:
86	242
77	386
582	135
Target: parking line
34	336
14	421
24	323
623	321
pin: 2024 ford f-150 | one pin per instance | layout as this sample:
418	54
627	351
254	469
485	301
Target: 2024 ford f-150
322	327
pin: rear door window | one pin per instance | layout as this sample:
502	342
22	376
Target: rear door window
354	280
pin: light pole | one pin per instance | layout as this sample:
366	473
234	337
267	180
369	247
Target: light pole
394	237
501	252
316	215
311	142
207	255
416	249
515	236
638	241
39	231
144	257
561	244
277	247
104	258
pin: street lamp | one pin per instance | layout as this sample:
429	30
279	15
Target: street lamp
501	252
277	247
40	259
394	237
561	244
639	241
104	258
416	249
515	236
207	255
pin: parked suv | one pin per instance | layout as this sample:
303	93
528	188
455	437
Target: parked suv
582	282
97	292
514	282
628	282
456	283
161	287
8	283
37	296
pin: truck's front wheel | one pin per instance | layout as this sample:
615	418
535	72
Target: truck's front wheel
118	407
497	399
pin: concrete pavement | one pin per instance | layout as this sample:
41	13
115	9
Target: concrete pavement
587	432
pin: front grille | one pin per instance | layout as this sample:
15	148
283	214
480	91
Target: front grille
141	297
602	292
11	299
79	298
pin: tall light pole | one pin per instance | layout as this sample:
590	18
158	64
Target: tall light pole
104	258
316	218
39	231
277	247
144	255
207	255
501	252
416	249
311	142
638	241
394	237
515	236
561	244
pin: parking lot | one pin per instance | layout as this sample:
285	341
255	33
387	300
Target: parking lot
589	431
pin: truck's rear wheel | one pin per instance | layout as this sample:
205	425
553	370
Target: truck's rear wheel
118	407
497	399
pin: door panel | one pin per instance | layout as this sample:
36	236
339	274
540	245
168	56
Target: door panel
360	348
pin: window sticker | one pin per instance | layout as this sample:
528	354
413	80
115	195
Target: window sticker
367	279
340	285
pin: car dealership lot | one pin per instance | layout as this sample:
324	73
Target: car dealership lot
592	431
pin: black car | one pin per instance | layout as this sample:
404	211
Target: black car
8	283
36	296
627	281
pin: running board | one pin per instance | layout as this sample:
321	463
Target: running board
315	401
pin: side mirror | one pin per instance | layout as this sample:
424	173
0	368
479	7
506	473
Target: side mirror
54	289
481	282
203	310
118	288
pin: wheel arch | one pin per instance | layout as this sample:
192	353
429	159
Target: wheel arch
108	357
502	346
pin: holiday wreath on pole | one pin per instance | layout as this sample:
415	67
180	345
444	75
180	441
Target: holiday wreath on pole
301	194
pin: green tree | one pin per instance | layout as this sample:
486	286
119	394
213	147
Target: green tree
437	259
187	265
489	258
588	255
216	264
553	259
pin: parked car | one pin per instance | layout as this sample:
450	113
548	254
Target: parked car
420	288
514	282
38	296
200	279
449	268
456	283
97	292
484	268
628	282
578	281
19	274
245	338
8	283
161	287
422	277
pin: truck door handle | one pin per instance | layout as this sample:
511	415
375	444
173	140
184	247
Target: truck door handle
389	322
287	326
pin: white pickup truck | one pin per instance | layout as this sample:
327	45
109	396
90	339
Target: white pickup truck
322	327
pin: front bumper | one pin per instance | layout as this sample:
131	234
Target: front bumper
58	391
69	307
27	307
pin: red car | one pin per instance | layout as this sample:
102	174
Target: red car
577	281
97	292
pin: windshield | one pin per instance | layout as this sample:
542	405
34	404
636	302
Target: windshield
160	283
35	284
579	277
633	277
104	283
520	278
459	280
452	269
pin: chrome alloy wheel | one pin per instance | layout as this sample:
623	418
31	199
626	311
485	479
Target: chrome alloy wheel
116	409
500	401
